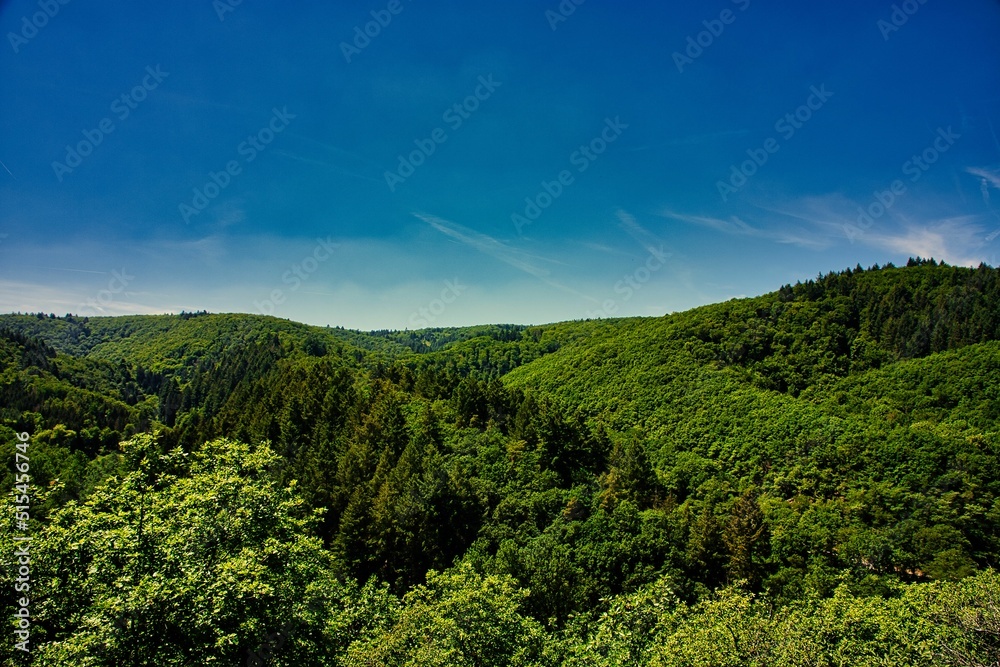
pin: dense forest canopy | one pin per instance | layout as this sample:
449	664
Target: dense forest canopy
809	477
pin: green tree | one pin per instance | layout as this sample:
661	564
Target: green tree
187	559
746	537
631	476
458	618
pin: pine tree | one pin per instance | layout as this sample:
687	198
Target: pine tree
745	536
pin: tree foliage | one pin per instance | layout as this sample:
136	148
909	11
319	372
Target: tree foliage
807	477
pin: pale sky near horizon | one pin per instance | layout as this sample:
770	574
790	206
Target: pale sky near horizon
513	161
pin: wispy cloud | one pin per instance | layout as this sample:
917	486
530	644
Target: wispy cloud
605	249
31	297
735	226
230	213
519	259
647	240
57	268
300	158
824	216
950	239
989	178
925	228
340	160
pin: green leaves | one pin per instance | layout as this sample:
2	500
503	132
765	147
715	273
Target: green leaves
187	559
921	625
458	618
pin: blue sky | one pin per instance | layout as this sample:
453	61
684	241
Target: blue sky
511	161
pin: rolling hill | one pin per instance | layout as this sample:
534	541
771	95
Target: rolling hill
607	488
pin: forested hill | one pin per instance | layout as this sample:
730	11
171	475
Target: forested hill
811	476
